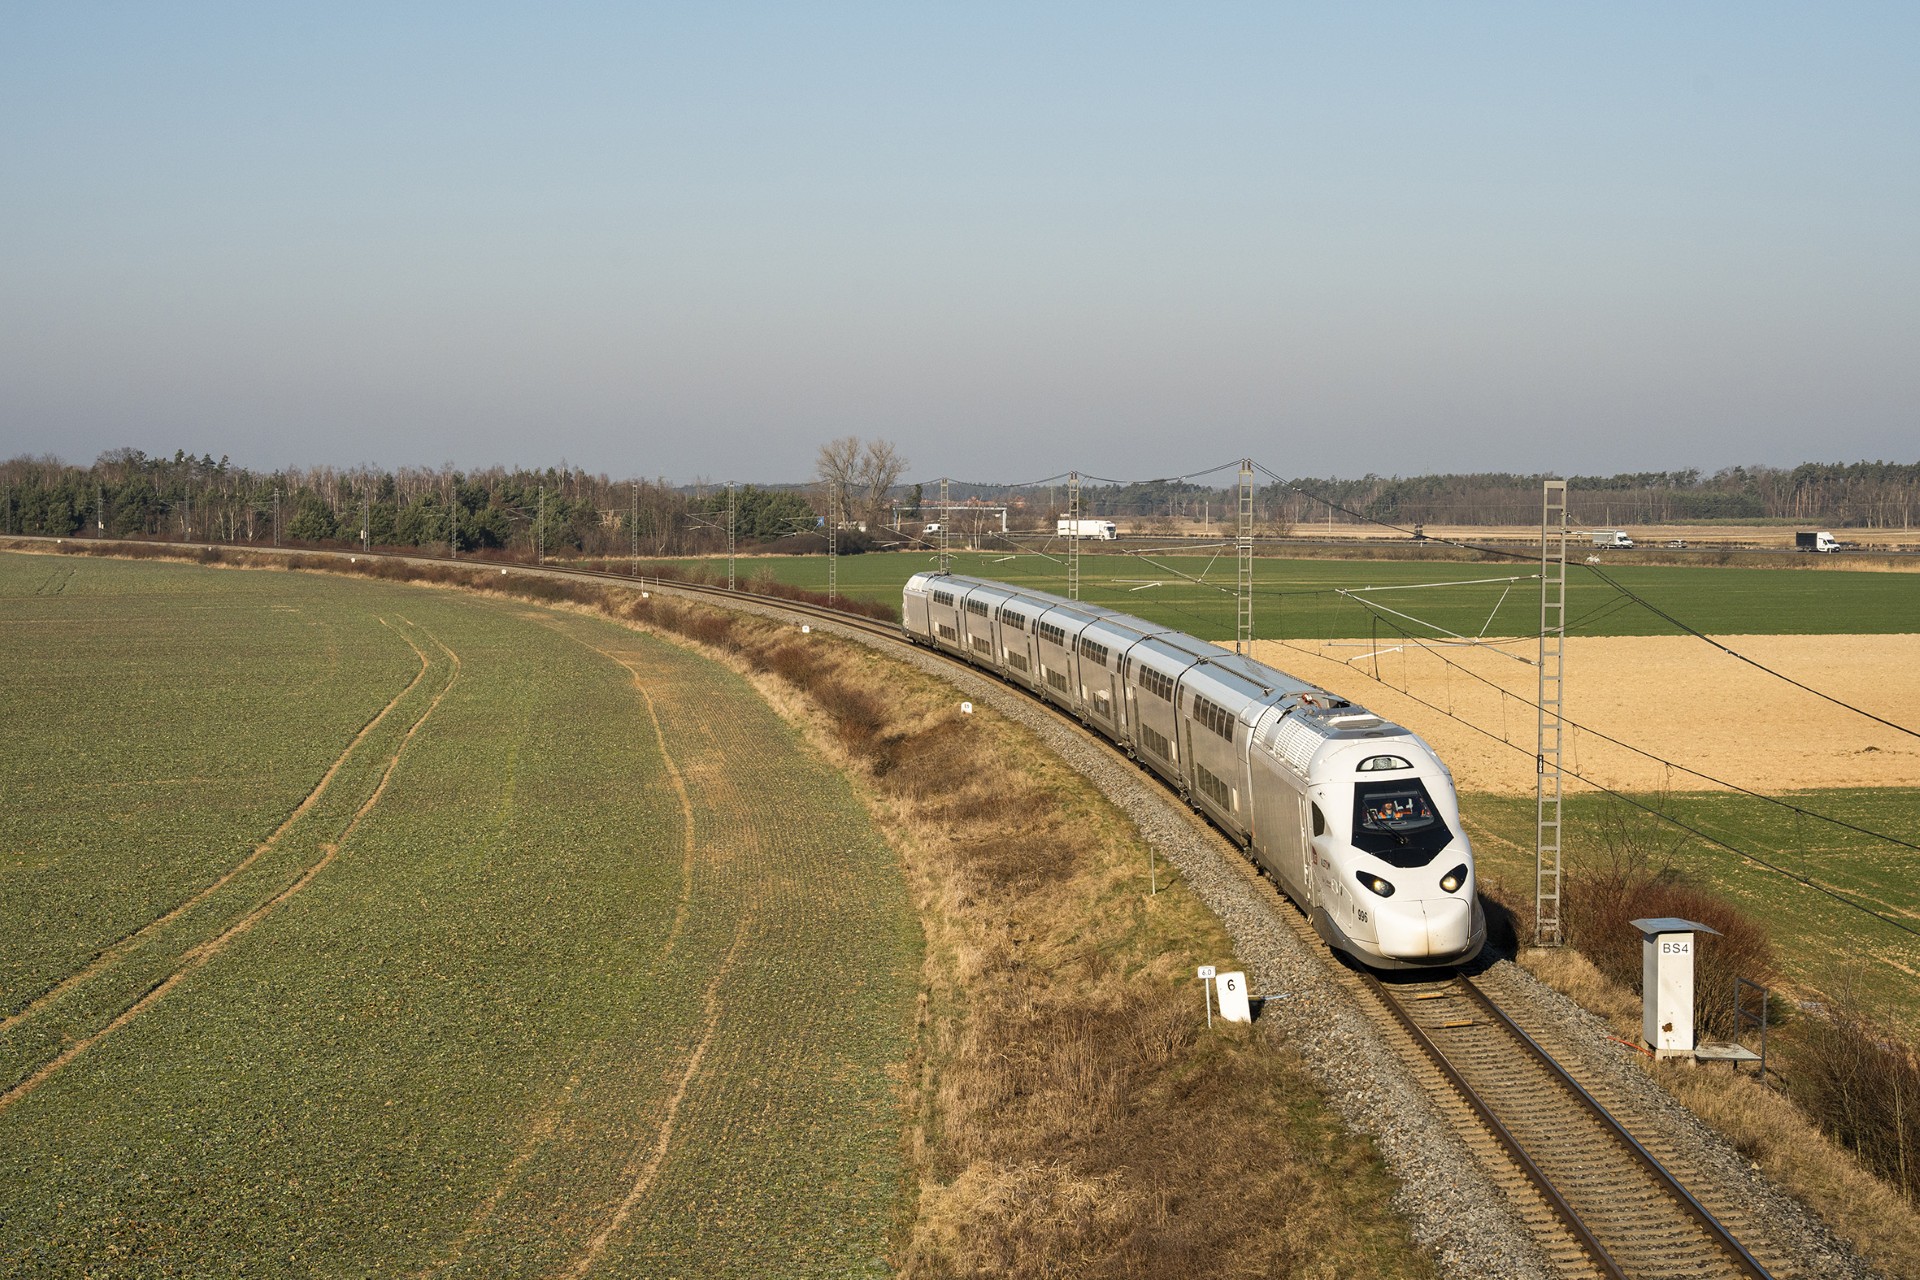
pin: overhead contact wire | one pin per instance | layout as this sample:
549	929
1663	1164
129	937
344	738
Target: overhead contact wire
1789	806
1794	876
1698	634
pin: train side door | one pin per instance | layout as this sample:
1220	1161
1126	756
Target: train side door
1308	858
1183	739
1116	694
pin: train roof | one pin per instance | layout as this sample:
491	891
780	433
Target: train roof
1238	668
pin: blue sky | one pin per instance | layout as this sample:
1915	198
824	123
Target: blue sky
695	241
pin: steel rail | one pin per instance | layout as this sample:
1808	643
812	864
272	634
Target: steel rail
1714	1228
1569	1218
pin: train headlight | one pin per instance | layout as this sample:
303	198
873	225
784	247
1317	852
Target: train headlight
1454	878
1373	884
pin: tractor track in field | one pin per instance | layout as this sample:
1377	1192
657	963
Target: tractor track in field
130	942
663	1137
198	955
689	837
545	1123
644	1162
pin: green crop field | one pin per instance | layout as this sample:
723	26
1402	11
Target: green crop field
1302	599
1822	942
356	928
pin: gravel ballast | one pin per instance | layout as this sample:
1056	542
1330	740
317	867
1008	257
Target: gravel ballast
1452	1206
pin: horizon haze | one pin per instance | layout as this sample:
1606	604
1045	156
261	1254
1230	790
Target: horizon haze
1129	240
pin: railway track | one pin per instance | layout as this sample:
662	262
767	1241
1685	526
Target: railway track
1597	1200
1619	1211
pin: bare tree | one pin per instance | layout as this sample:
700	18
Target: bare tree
838	469
880	468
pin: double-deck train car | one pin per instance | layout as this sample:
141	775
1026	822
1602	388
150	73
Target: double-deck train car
1355	818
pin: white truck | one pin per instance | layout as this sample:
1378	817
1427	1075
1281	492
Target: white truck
1822	541
1099	530
1611	538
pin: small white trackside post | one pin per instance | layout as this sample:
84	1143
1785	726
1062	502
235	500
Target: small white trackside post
1206	992
1231	989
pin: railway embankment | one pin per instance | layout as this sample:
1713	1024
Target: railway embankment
1072	1113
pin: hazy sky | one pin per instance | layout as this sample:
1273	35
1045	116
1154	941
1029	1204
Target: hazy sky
698	239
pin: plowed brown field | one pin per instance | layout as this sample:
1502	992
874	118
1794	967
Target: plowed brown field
1676	697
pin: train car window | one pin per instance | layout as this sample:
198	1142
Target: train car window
1017	621
1213	716
1157	683
948	633
1319	821
1398	822
1053	634
1093	652
1216	790
1378	764
977	607
943	597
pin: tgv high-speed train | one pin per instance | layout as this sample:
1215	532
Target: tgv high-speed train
1354	817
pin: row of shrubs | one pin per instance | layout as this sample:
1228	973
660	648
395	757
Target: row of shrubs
763	583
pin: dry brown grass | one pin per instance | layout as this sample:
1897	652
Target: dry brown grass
1769	1130
1576	977
1862	1085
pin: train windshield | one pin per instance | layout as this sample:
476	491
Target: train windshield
1398	822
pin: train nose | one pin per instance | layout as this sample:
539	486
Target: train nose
1435	927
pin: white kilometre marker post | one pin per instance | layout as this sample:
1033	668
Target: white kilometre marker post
1232	990
1206	991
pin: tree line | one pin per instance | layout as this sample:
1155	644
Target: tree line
1837	495
556	510
567	510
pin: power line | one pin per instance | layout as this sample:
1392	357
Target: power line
1800	810
1794	876
1629	594
1502	553
1164	479
1363	517
1701	635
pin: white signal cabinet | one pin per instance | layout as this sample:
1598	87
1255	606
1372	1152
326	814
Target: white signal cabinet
1666	984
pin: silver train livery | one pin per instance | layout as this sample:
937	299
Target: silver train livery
1355	818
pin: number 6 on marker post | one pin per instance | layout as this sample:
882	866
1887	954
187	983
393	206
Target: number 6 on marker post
1231	990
